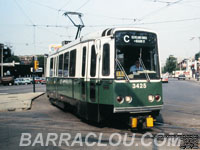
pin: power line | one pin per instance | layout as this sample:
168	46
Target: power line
82	5
60	9
55	33
160	9
64	5
110	17
41	4
172	21
158	22
21	9
51	26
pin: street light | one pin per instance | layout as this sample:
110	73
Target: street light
2	47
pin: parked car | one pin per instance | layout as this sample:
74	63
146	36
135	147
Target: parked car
17	81
22	81
38	80
165	79
181	76
43	81
7	80
28	80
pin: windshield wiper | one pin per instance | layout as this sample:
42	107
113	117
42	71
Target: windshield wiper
143	66
122	69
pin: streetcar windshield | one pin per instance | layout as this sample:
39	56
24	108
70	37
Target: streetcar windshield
136	55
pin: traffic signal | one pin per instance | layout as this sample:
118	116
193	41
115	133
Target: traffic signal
36	64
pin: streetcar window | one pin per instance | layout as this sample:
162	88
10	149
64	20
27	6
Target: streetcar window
66	64
72	65
60	67
83	61
136	55
106	60
54	66
93	62
51	67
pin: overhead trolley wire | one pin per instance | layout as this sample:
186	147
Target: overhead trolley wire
41	4
158	22
82	5
160	9
67	3
21	9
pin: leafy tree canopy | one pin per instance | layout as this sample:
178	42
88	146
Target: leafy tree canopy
171	64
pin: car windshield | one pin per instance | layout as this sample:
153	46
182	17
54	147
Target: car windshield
137	54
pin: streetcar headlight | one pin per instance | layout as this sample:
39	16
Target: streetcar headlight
151	98
128	99
120	99
158	98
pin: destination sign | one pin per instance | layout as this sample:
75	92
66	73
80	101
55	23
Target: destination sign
133	37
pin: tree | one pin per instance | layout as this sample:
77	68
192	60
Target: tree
40	58
9	56
171	64
197	56
12	58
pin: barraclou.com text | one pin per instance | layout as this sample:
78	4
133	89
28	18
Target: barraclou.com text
93	139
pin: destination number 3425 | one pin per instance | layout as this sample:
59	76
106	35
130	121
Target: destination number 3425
139	85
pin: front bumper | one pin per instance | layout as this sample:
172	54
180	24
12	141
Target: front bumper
143	109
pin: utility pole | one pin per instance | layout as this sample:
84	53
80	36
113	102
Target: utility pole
34	58
2	47
33	74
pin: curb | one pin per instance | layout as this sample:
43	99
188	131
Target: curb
37	96
195	81
18	103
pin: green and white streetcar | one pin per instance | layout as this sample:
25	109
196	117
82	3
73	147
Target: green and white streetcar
111	73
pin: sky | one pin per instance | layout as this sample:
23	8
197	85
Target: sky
25	22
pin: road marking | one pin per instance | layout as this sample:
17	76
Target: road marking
4	89
3	93
176	105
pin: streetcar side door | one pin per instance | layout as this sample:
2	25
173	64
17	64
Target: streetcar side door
84	57
92	88
92	74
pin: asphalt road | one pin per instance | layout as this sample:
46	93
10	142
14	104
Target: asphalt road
182	103
180	115
22	89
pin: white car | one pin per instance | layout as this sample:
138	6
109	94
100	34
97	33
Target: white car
22	81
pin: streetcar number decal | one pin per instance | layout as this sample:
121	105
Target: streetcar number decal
139	86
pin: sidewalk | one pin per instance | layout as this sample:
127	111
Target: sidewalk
16	102
193	80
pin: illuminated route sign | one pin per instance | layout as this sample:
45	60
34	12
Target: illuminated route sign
131	37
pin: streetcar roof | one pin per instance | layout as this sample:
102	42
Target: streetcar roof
100	34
